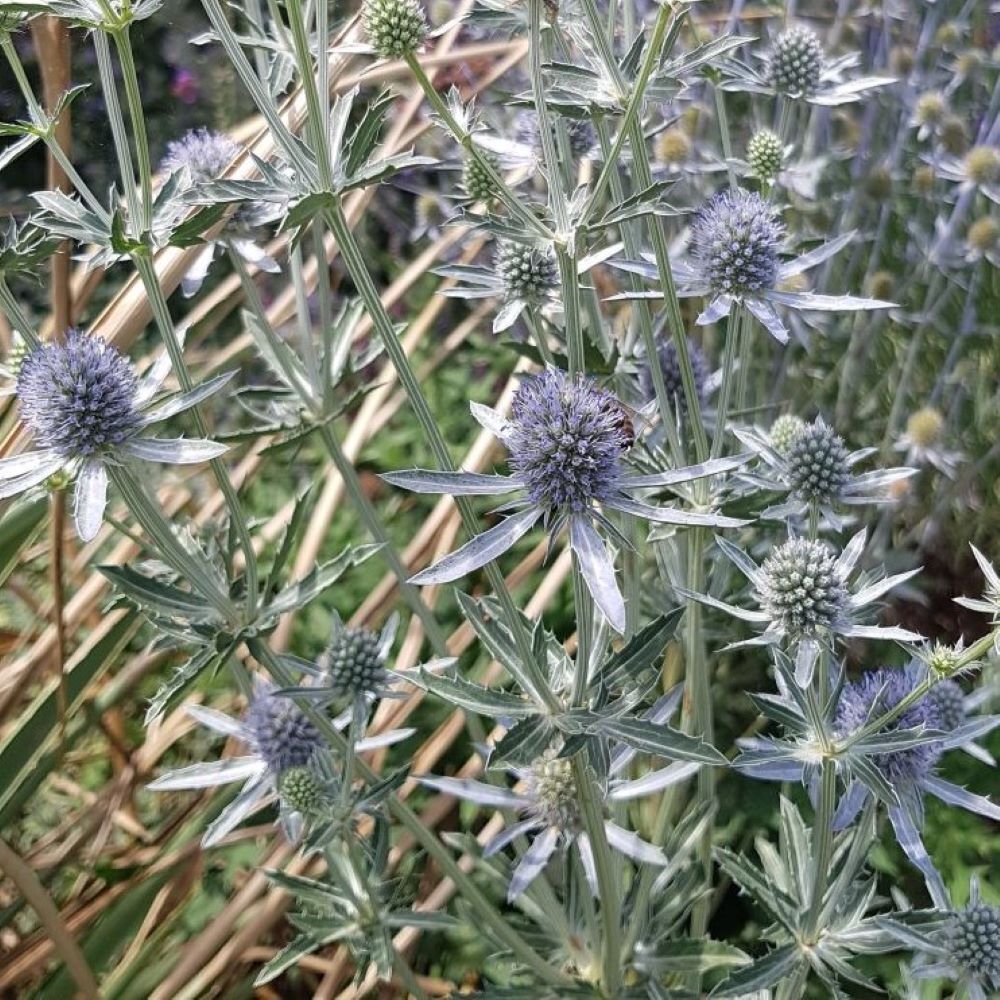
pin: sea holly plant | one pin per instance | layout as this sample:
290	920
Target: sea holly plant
698	740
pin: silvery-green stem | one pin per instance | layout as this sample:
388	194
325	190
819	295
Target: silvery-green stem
165	326
147	272
822	844
608	885
316	125
318	408
373	525
358	270
463	137
733	336
38	116
18	321
483	909
660	42
149	515
533	320
137	117
118	134
727	143
263	101
631	239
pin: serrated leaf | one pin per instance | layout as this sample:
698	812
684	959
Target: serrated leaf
656	738
641	651
154	595
321	578
473	697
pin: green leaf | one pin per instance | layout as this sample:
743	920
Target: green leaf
293	531
359	147
19	528
473	697
694	956
656	738
763	974
641	652
525	741
150	594
321	578
208	657
27	754
756	884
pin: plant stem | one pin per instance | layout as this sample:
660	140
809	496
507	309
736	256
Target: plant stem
463	137
386	331
149	515
608	886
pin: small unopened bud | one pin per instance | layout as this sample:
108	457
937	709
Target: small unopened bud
476	180
879	183
924	427
300	788
784	431
764	154
931	108
673	146
923	179
954	138
984	234
982	165
395	28
881	285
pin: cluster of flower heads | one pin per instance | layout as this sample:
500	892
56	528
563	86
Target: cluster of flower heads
86	408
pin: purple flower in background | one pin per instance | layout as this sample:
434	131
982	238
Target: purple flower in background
184	86
86	408
205	156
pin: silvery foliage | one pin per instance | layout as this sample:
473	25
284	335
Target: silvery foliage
606	899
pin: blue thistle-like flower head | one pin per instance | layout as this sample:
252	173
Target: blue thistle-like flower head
566	439
283	735
666	352
735	238
974	942
78	396
205	153
874	694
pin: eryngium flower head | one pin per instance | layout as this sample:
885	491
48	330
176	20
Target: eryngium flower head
300	788
566	439
982	165
527	272
735	238
801	587
554	792
78	397
947	700
784	431
204	153
579	132
817	462
765	154
796	62
395	28
476	181
874	694
355	662
974	942
283	736
670	366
